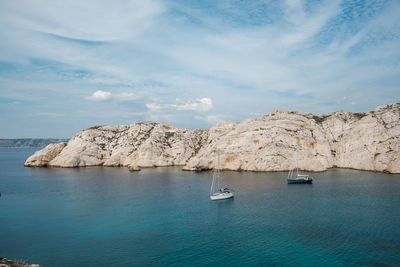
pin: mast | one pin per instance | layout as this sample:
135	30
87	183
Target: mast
217	170
215	180
297	166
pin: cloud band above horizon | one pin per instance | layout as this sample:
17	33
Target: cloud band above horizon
191	64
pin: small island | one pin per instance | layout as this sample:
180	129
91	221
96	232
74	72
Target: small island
364	141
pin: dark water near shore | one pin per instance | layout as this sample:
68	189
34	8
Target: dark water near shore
163	216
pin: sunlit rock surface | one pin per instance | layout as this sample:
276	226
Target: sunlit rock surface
138	145
43	157
365	141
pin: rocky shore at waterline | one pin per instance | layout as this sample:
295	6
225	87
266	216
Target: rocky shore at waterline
10	263
364	141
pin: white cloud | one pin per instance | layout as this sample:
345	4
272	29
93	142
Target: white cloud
100	96
147	50
120	97
154	106
202	104
127	96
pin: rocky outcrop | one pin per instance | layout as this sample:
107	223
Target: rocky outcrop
365	141
138	145
10	263
43	157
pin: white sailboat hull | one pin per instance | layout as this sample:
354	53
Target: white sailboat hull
219	196
217	192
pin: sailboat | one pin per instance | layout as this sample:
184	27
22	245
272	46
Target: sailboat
298	178
217	192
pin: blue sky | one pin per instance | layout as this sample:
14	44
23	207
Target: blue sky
70	65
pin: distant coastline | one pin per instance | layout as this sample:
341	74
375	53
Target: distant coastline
29	142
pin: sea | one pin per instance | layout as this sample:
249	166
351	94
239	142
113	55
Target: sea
104	216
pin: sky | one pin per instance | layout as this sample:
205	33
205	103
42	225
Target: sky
69	65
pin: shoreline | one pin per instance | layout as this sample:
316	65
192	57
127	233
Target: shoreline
208	170
278	141
14	263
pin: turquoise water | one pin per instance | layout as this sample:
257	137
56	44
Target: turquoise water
108	216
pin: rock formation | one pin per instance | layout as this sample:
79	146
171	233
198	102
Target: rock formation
11	263
43	157
365	141
145	144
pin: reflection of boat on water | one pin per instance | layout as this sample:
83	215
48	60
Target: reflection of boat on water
217	192
298	178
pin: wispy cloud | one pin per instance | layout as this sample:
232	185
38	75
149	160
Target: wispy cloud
159	59
100	96
203	104
90	20
155	106
211	118
46	114
121	97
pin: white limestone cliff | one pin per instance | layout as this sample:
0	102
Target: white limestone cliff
43	157
365	141
138	145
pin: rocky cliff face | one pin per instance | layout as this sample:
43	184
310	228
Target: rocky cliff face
138	145
365	141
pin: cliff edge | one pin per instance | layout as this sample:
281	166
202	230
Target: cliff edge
365	141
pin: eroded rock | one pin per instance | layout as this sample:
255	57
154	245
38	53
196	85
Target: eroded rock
365	141
42	157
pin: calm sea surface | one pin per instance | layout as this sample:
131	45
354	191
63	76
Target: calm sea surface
163	216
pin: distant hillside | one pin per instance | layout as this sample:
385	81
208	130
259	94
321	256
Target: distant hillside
29	142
